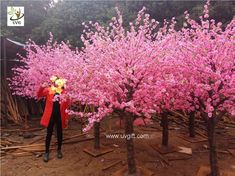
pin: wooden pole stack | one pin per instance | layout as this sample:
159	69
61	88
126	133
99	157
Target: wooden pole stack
8	102
15	108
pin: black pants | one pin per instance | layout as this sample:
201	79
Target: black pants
55	120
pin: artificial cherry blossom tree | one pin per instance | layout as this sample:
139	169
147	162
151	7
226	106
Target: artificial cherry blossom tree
40	63
163	88
118	63
206	59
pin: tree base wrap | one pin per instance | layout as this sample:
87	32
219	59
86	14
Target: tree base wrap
195	139
141	171
97	135
192	124
165	128
166	149
129	130
97	152
211	132
205	171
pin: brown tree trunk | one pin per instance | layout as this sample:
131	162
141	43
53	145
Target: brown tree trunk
130	143
164	123
97	135
211	122
192	124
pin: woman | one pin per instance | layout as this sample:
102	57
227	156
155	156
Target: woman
54	113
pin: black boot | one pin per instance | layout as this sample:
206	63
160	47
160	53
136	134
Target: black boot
59	154
46	157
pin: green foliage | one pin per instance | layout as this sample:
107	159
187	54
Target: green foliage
64	19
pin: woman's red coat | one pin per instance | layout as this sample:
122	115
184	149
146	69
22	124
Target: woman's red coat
46	92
